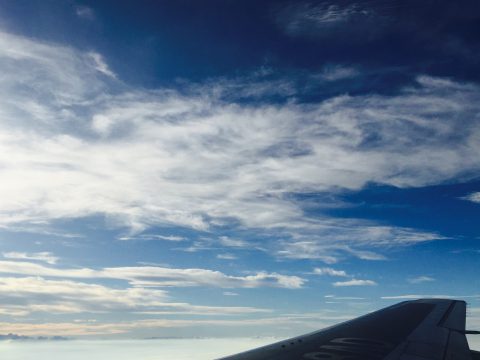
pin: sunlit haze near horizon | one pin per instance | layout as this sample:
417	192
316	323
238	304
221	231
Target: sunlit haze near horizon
226	173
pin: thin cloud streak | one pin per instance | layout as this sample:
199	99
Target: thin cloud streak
154	276
426	296
84	12
44	256
330	272
420	279
473	197
354	282
27	295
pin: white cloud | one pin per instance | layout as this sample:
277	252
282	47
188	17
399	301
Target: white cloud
474	197
334	297
355	282
100	65
329	271
420	279
235	243
151	237
329	243
370	255
63	296
337	72
226	257
23	296
74	145
222	243
154	276
308	320
45	256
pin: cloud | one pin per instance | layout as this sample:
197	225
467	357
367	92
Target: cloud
26	295
40	256
366	21
76	145
236	243
226	257
152	237
223	243
84	12
330	242
100	65
329	271
420	279
343	297
431	296
62	296
370	255
354	282
325	19
154	276
308	320
474	197
337	72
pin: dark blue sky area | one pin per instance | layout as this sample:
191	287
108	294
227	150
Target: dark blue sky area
155	42
434	208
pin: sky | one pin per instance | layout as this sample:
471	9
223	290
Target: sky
235	168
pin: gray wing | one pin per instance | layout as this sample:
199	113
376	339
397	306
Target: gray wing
429	329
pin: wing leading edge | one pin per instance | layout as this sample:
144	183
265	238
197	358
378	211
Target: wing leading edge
427	329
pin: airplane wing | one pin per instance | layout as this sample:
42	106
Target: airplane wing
427	329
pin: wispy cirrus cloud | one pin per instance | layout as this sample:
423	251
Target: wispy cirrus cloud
44	256
338	72
226	256
235	243
474	197
311	321
85	12
153	237
420	279
330	272
426	296
100	65
330	243
341	273
334	297
367	21
329	18
93	147
155	276
26	295
354	282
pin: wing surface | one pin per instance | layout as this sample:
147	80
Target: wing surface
427	329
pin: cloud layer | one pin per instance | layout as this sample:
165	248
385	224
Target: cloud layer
27	288
44	256
154	276
27	295
77	142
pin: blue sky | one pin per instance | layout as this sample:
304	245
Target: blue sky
234	168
